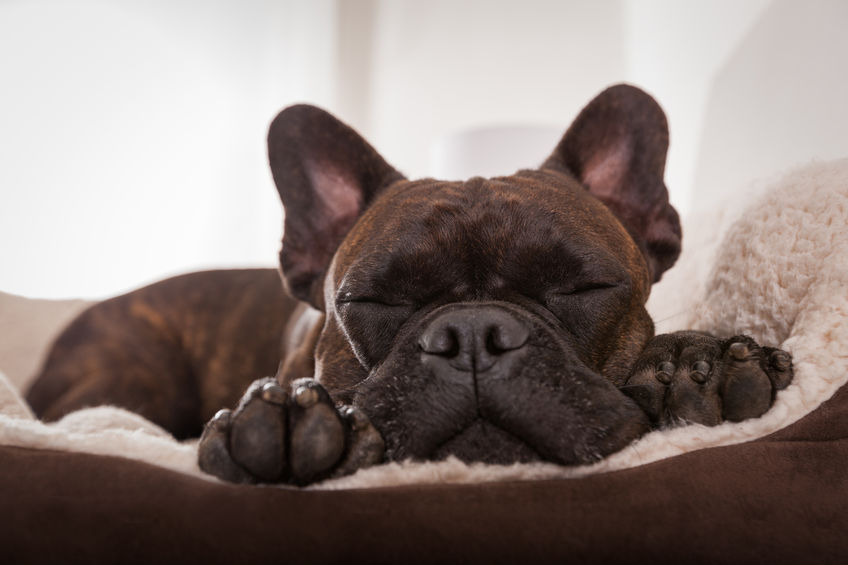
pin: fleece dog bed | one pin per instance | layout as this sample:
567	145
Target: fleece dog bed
105	484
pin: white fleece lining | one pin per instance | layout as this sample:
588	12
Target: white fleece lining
780	275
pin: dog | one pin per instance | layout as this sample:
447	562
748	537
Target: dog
497	320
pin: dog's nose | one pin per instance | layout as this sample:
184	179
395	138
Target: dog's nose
473	338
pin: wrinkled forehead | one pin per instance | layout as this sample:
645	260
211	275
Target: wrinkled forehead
510	227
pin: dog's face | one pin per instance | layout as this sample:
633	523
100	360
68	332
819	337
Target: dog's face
488	319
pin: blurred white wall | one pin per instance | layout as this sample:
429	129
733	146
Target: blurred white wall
536	63
132	135
675	49
132	132
780	100
442	66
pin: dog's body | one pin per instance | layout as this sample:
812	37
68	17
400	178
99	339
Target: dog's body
174	352
496	320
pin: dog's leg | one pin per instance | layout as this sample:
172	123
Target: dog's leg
295	436
691	377
107	356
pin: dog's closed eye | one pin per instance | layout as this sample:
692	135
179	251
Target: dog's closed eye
582	307
587	287
372	301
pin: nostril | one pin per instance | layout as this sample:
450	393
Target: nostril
506	337
495	343
442	341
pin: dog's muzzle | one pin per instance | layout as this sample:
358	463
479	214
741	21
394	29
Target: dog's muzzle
493	382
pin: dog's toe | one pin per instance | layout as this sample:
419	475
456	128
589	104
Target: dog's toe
295	436
690	377
366	446
778	366
258	431
746	391
317	432
213	455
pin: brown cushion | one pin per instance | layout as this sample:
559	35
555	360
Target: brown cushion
781	499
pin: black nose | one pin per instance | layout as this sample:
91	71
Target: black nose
473	338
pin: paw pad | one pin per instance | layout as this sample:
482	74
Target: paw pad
297	437
305	396
738	351
780	360
700	372
275	394
665	371
733	379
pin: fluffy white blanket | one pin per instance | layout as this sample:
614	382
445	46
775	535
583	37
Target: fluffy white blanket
774	266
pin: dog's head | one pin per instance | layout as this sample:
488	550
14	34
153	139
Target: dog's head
490	319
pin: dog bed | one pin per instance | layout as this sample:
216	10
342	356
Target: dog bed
106	485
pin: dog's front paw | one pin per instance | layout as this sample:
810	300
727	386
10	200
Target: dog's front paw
690	377
295	436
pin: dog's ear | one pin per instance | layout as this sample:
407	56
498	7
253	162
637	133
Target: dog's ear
326	175
617	147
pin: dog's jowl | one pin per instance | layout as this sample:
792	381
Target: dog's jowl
496	320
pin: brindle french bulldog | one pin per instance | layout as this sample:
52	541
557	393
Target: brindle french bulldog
496	320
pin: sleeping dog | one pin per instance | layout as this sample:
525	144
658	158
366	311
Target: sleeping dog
495	320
